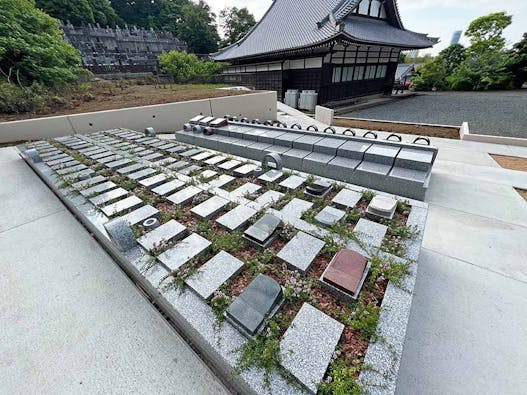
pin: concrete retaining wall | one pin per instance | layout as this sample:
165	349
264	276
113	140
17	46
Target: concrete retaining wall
162	117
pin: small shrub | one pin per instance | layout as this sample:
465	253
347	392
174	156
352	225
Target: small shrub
368	195
229	242
341	380
404	207
220	303
365	319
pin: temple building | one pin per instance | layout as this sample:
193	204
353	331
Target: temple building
342	49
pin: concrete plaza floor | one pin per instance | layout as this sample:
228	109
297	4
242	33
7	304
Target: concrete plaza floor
466	333
71	321
468	324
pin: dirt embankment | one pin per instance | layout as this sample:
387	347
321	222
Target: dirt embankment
111	95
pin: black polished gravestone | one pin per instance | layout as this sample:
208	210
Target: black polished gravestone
264	231
319	188
251	310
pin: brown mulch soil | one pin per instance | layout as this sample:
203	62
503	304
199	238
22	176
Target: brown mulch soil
522	192
394	127
111	95
511	162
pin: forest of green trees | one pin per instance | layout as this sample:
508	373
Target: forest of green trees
37	64
485	65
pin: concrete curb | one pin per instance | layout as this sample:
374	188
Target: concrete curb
465	135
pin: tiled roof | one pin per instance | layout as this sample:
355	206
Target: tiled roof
378	31
294	24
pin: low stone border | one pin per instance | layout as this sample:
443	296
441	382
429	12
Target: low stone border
195	320
483	138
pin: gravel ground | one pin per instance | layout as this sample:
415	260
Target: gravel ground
501	113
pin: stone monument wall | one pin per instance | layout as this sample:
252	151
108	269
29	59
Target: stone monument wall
120	50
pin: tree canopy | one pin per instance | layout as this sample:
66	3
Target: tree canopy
32	47
184	67
81	12
236	23
485	64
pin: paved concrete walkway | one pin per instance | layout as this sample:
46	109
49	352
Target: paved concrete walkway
71	322
468	326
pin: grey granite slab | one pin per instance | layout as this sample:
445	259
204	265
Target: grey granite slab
347	198
178	165
177	149
269	198
165	161
308	345
255	305
131	169
122	205
246	189
384	154
185	195
118	163
64	165
184	251
214	273
167	146
306	142
221	181
207	174
328	146
102	155
369	232
191	152
172	230
301	251
330	216
215	160
353	149
99	188
271	176
140	215
79	175
230	164
245	170
153	156
108	196
263	230
153	181
139	175
296	208
109	159
210	207
168	187
189	170
202	156
145	153
71	169
292	182
237	217
89	182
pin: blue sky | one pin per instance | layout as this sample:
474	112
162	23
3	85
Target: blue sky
438	18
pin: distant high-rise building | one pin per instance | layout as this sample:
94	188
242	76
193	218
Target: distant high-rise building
455	37
413	53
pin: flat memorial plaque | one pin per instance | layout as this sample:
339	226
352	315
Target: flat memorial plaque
346	272
255	305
